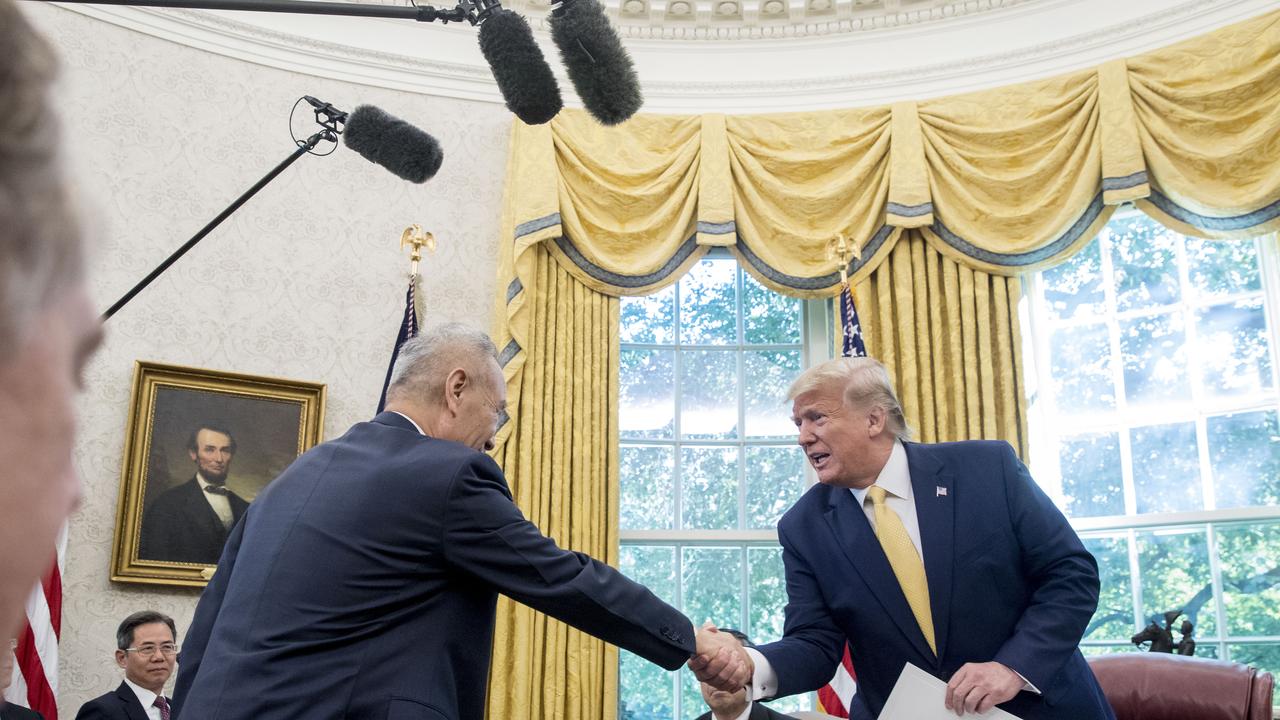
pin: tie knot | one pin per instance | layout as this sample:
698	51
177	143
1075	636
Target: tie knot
877	494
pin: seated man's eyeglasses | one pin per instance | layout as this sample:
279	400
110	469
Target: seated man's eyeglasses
149	649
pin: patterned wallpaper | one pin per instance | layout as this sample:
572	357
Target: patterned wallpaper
304	282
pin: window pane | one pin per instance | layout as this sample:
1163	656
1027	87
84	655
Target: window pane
1108	649
1234	348
1244	450
768	594
1074	288
768	374
1249	558
1264	656
775	480
646	380
767	317
1166	468
1092	480
1081	367
1155	360
708	394
709	487
646	692
1174	567
713	585
1220	267
649	319
1114	617
1144	255
647	488
707	295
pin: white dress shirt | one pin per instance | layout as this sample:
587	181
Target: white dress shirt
895	478
220	503
145	696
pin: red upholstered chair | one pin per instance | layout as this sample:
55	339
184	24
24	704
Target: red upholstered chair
1147	686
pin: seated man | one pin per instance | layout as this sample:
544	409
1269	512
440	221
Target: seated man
9	711
147	649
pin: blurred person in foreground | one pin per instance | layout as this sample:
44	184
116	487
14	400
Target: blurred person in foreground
362	583
48	329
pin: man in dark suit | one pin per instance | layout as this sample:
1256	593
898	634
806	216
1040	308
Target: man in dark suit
9	711
996	607
146	648
190	522
362	582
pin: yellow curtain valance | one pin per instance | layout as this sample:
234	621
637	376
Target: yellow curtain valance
1002	181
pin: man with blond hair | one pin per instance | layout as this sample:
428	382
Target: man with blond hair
946	556
48	328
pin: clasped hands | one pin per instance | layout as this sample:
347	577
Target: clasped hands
720	660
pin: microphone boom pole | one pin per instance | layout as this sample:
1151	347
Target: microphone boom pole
303	148
421	13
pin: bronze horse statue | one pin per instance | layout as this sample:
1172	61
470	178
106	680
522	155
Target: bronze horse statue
1161	638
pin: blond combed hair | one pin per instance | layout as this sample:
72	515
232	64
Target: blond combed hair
866	384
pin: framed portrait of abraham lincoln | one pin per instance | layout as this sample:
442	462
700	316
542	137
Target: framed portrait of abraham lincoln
200	446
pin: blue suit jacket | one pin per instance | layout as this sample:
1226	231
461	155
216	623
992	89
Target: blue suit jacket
362	583
1008	581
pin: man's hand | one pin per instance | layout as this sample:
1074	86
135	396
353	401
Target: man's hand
720	660
978	687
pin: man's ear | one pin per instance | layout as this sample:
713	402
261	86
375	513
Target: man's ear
192	453
120	656
453	387
876	418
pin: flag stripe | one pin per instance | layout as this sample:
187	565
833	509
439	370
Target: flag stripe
40	695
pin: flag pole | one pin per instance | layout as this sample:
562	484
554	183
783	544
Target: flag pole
415	238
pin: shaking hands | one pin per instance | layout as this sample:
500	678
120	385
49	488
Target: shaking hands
721	661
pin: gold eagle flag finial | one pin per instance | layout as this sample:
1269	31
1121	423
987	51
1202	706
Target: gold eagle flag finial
842	250
414	236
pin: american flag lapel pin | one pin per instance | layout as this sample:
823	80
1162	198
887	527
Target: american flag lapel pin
942	492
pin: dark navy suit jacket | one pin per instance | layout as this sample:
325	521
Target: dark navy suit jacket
362	584
1008	580
121	704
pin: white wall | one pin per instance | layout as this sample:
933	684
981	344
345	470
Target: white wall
304	282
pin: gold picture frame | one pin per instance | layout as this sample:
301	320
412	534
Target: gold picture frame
186	423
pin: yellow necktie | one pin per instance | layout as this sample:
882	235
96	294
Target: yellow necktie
905	561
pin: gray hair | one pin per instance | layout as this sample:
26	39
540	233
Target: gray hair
866	384
124	634
40	240
424	361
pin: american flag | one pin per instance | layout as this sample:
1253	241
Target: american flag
408	331
35	672
834	698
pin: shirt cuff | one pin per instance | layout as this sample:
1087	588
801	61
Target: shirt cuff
764	681
1026	684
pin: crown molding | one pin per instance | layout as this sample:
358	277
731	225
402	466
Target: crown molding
1021	40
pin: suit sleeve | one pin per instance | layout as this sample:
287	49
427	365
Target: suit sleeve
487	536
197	637
92	710
809	651
1063	576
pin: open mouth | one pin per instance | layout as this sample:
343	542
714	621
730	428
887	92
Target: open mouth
818	459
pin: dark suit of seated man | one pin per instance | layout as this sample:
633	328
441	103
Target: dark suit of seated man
9	711
146	649
362	583
190	522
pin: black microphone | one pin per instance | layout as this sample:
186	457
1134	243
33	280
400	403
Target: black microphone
522	74
598	65
393	143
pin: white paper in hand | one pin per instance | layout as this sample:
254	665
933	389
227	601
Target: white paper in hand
921	696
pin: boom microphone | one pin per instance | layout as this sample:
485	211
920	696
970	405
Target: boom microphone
393	143
598	65
522	74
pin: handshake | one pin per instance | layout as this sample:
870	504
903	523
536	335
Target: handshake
720	660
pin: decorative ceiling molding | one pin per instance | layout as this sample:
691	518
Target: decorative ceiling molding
984	46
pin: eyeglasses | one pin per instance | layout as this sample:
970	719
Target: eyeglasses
149	649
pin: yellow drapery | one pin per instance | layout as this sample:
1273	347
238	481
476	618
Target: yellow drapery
949	200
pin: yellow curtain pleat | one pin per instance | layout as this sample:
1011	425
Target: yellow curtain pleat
559	458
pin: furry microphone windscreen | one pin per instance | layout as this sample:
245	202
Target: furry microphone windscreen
522	73
394	144
598	65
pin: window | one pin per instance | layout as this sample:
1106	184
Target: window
1154	426
709	461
